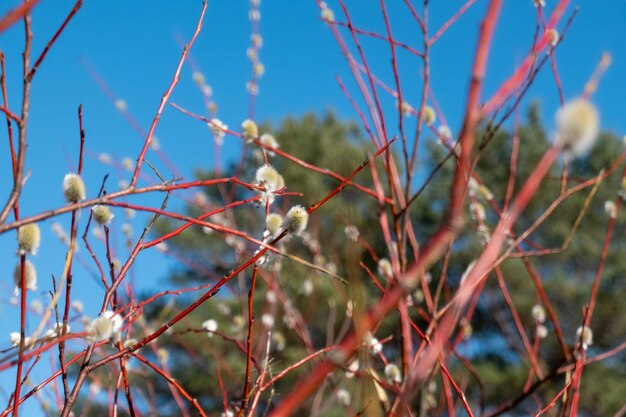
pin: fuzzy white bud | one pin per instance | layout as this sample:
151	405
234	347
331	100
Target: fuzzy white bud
217	128
253	88
30	276
429	116
267	320
343	396
393	374
352	369
542	331
384	268
121	105
128	163
259	69
102	214
16	338
445	134
538	313
99	329
73	188
405	108
77	306
257	40
254	15
297	219
198	78
585	335
327	14
577	126
306	288
106	326
274	224
352	233
57	330
210	326
250	129
268	177
269	140
374	345
28	239
610	209
105	158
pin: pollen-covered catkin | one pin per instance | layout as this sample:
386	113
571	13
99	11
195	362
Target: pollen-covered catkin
538	313
100	329
393	374
327	14
268	177
106	326
610	208
577	126
585	335
30	276
28	239
384	268
217	128
268	139
297	219
429	116
444	132
102	214
274	223
250	129
73	188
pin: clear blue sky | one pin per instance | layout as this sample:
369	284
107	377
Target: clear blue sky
133	45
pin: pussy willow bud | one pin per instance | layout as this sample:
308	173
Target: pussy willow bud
73	188
393	374
28	239
250	129
538	313
384	268
428	116
210	326
30	276
102	214
297	219
585	335
268	177
269	140
327	14
577	126
274	223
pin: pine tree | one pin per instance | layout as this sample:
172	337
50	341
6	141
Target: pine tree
302	304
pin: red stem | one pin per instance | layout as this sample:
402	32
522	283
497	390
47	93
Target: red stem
166	97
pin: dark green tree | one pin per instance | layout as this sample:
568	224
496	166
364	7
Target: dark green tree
301	305
307	291
498	356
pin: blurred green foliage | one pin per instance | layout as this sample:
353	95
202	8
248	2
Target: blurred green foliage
311	310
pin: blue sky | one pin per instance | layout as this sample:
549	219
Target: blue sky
134	47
